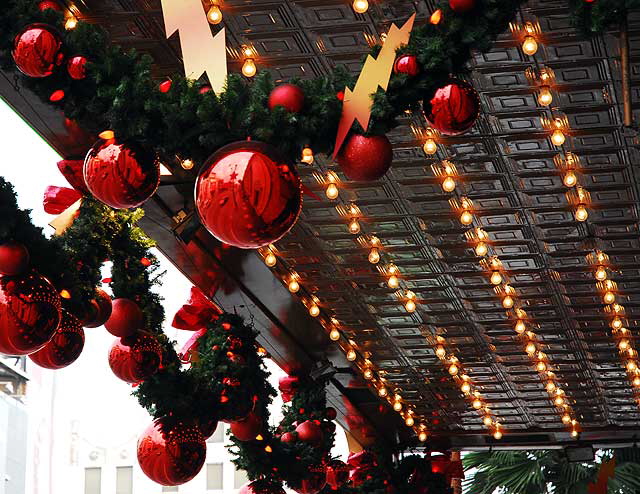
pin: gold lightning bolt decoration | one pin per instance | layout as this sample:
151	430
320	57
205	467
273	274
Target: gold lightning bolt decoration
376	72
201	51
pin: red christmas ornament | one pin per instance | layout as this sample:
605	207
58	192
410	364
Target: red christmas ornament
36	50
119	176
337	474
135	358
49	4
406	64
453	108
365	158
247	196
331	413
289	96
312	484
247	429
76	66
462	6
65	346
126	318
99	310
30	312
72	169
289	437
208	427
171	454
340	95
165	86
14	259
309	432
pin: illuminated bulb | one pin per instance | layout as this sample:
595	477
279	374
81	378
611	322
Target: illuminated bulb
559	401
520	327
71	23
249	68
581	213
477	404
481	249
332	191
360	6
566	418
374	255
65	294
636	381
430	146
187	164
616	323
544	96
351	355
465	388
507	302
354	226
440	351
530	348
609	297
601	273
314	310
631	366
410	305
529	45
466	218
541	367
382	392
107	135
214	16
449	185
307	156
574	433
453	369
397	406
334	335
409	421
570	179
270	259
487	420
393	282
551	386
368	374
294	286
422	437
497	434
496	278
557	137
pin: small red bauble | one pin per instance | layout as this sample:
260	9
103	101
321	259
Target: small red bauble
289	96
126	318
65	347
171	454
289	437
247	429
135	358
165	86
309	432
36	50
120	176
312	484
331	413
99	310
453	108
49	4
76	66
406	64
365	157
337	474
30	312
246	196
14	259
462	6
57	96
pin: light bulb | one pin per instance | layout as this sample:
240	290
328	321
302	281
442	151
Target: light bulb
448	184
360	6
541	366
409	421
559	401
581	213
453	369
294	286
574	433
466	218
374	255
382	392
334	335
410	305
566	418
487	420
187	164
507	302
332	191
623	344
551	386
558	137
609	297
530	348
393	282
496	278
270	259
249	68
520	327
570	179
544	96
497	434
636	381
430	146
71	23
368	374
529	45
616	323
477	404
314	310
631	365
440	351
481	249
351	355
214	16
354	226
422	437
397	406
601	273
465	388
307	156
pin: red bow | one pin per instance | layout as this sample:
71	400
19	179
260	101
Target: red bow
196	313
58	199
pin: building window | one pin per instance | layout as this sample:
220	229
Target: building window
218	435
124	480
92	480
239	479
169	488
214	477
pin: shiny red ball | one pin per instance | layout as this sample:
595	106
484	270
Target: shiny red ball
337	474
462	6
406	64
289	437
99	310
309	432
289	96
171	454
312	484
65	347
30	312
76	67
37	50
14	259
126	318
135	358
165	86
365	158
247	196
453	108
247	429
120	176
49	4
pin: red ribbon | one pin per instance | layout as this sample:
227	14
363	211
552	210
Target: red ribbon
196	313
72	171
58	199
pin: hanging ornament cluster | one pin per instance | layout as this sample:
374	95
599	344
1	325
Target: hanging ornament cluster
453	108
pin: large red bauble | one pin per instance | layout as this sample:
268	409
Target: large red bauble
14	259
120	176
30	311
337	474
462	6
312	484
289	96
406	64
126	318
453	108
65	347
135	358
365	157
76	66
171	454
99	310
309	432
208	427
247	429
36	50
247	196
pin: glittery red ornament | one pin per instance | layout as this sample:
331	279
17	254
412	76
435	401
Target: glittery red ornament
462	6
126	318
337	474
120	176
99	310
49	4
65	346
312	484
135	358
365	158
76	67
247	196
171	454
14	258
36	50
406	64
289	437
453	108
30	311
247	429
309	432
289	96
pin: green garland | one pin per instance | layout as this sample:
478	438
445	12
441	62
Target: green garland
595	17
